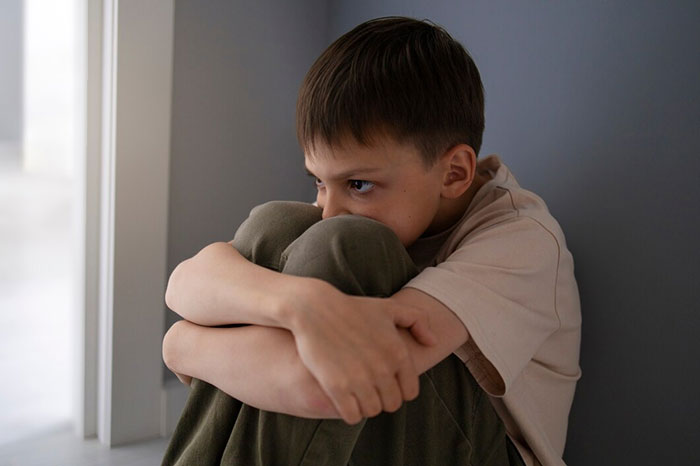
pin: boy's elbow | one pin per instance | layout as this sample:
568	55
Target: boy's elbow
171	289
170	347
180	281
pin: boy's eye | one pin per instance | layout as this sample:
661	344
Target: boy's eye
361	186
318	183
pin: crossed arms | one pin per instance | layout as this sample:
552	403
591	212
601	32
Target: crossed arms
311	350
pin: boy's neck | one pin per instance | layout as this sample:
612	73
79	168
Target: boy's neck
451	210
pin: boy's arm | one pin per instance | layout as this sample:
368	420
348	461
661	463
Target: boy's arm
218	286
254	364
443	322
355	353
261	366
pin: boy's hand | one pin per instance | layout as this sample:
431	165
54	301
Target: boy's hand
352	346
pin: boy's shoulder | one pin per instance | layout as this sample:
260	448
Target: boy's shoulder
502	199
502	214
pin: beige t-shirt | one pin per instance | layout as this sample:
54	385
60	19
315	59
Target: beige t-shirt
505	271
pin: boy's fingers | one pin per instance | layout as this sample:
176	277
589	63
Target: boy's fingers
416	323
408	382
370	403
348	408
390	393
423	334
404	316
355	414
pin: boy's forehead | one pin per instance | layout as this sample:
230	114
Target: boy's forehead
344	163
351	154
321	149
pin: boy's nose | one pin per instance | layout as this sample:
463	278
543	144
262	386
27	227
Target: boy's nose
333	208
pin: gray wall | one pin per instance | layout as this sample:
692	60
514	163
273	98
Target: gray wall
596	107
593	106
237	69
11	72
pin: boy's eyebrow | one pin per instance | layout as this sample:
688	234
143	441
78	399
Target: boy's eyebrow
347	173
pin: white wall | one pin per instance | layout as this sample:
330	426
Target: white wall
50	86
238	66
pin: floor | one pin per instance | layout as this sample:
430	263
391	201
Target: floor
60	447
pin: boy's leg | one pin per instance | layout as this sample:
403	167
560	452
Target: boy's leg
338	250
204	427
209	417
217	429
271	228
452	420
358	256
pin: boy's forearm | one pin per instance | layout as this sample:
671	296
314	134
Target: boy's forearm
219	286
256	365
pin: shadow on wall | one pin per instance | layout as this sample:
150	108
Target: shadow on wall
634	240
596	109
627	200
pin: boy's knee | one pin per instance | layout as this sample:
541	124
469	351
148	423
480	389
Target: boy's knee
352	233
271	227
283	213
358	255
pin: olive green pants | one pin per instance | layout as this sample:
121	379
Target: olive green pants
451	422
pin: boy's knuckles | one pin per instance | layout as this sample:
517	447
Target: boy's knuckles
344	404
352	415
393	405
413	391
374	410
399	354
339	387
409	387
371	406
383	372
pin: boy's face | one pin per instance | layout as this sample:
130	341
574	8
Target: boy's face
387	182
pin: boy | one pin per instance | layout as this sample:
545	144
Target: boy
423	312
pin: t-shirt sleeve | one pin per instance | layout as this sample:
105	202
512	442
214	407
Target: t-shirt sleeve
501	283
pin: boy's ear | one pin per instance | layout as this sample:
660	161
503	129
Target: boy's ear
459	167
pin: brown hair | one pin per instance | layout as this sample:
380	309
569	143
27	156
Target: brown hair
394	76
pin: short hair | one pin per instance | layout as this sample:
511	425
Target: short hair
394	76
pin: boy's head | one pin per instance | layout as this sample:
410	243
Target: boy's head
390	118
396	77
